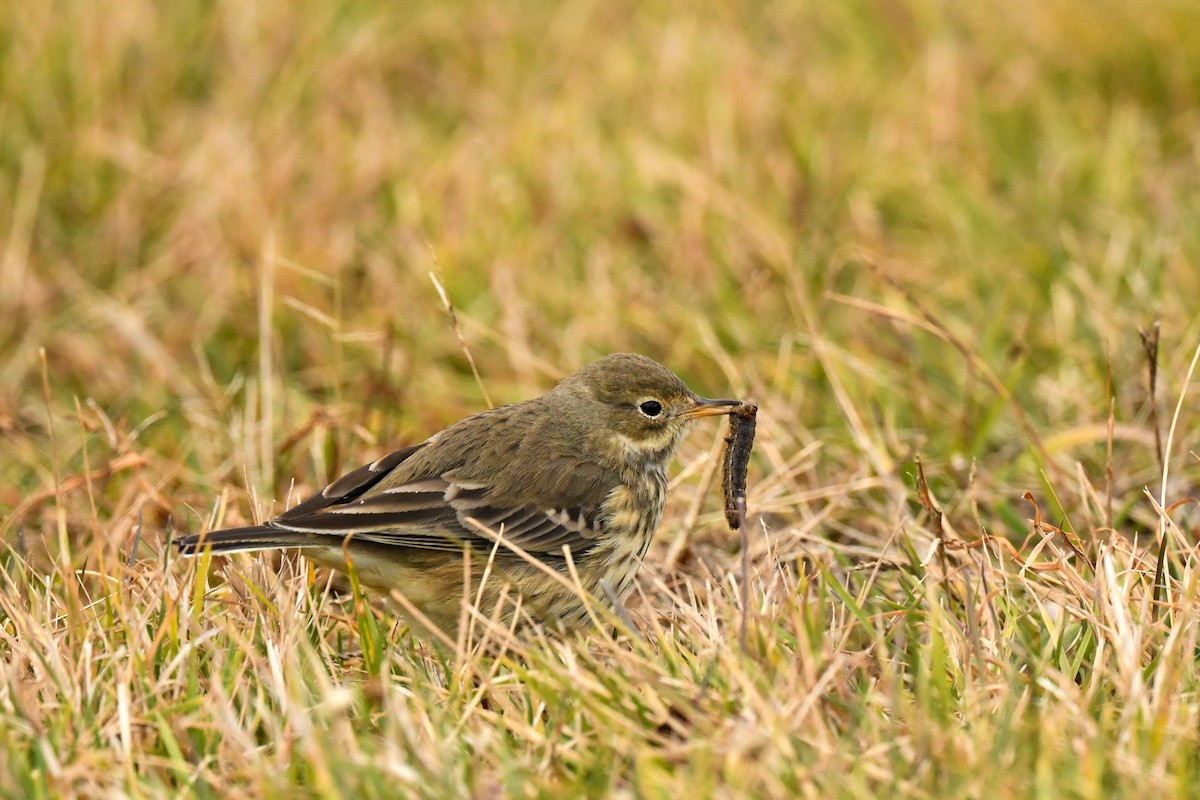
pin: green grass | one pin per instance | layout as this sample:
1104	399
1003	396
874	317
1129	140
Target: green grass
909	229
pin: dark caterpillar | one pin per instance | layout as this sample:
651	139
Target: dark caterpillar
737	460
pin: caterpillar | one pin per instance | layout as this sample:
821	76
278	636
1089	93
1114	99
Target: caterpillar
737	460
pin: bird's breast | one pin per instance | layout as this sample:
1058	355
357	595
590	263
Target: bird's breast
630	516
633	509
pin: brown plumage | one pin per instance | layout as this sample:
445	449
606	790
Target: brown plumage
575	478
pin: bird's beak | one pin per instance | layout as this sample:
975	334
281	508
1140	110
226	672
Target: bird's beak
710	408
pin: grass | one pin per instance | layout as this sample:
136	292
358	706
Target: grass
911	230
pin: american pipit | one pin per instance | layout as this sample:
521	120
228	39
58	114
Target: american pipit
575	479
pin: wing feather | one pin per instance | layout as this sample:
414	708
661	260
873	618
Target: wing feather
436	495
436	513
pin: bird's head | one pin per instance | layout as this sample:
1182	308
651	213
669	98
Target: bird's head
635	410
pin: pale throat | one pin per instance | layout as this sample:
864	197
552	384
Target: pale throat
651	452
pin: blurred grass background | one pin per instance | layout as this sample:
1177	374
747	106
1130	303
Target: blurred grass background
590	178
218	222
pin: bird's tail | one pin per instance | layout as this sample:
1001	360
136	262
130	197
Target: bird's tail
236	540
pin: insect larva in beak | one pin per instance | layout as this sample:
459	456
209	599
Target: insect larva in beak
737	459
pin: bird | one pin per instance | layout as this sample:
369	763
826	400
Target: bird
541	499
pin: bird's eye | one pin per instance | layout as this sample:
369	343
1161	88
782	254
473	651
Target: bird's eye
651	408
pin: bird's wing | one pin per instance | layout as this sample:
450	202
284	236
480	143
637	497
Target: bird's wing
438	512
